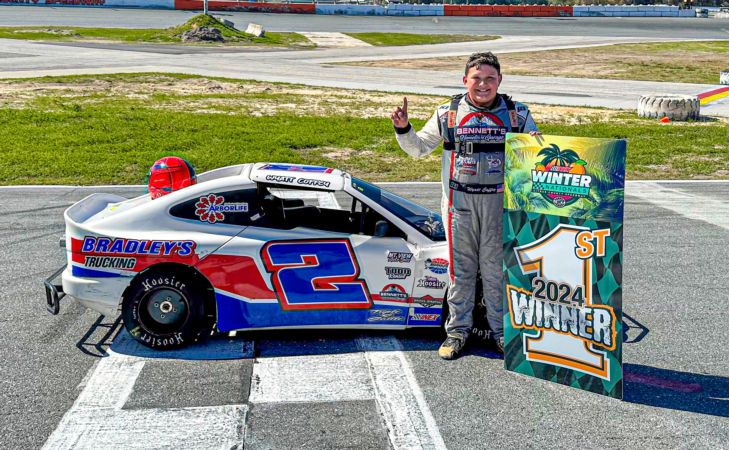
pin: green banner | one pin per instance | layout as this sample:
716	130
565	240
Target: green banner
563	242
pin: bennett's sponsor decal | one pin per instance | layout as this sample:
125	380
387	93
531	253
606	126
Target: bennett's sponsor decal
431	283
110	262
397	273
437	265
394	292
399	257
386	315
211	208
110	246
425	317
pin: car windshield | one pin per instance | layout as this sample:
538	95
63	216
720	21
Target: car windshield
422	219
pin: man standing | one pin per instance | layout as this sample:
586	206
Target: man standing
472	127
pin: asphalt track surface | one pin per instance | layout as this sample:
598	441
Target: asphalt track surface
340	389
685	28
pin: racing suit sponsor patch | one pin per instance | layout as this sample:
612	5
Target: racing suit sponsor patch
494	163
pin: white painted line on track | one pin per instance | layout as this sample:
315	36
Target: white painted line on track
311	378
692	206
410	424
96	419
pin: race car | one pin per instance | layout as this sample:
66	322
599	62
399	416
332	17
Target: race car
255	246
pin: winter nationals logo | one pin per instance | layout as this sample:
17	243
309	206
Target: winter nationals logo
211	208
561	176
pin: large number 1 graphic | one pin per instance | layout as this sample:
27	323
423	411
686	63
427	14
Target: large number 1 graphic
316	274
554	257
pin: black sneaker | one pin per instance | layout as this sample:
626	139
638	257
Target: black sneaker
451	347
500	344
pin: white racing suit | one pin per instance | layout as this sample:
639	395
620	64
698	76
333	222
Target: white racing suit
472	204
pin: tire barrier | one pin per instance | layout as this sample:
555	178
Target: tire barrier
507	11
724	77
675	107
222	5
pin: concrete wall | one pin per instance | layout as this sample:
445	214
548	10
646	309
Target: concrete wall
158	4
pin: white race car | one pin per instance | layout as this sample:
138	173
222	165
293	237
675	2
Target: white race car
256	246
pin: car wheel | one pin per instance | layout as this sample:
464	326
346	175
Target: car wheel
163	311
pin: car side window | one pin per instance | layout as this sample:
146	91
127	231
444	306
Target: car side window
232	207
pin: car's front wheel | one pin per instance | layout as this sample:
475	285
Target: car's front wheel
163	310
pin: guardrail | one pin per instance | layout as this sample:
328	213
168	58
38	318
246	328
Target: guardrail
393	9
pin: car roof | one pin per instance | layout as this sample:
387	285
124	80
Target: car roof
299	176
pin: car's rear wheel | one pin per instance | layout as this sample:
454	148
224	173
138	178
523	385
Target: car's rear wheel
163	310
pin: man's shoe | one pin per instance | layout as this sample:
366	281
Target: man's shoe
451	347
500	344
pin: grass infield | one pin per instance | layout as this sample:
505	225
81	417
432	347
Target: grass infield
153	36
109	129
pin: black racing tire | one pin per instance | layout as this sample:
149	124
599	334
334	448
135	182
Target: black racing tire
165	310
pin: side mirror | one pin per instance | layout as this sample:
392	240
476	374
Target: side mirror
381	228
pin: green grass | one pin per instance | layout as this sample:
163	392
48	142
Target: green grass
156	36
395	39
62	137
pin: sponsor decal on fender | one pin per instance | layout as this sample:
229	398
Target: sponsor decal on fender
427	301
431	283
425	316
399	257
211	208
132	247
386	315
437	265
393	292
397	273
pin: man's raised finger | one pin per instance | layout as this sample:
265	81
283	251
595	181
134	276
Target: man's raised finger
405	105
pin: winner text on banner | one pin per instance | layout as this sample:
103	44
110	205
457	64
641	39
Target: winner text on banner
563	258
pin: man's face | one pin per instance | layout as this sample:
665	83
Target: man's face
482	83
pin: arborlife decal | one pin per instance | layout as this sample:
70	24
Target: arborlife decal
431	283
399	257
397	273
212	208
437	265
563	260
394	292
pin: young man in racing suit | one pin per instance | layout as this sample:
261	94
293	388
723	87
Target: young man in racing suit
472	127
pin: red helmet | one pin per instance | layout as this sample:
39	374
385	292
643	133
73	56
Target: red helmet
170	174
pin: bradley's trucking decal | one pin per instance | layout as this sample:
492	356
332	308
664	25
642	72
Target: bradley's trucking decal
300	181
128	254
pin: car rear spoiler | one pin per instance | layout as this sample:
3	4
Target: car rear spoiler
83	210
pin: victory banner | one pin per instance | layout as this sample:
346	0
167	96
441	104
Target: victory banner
563	256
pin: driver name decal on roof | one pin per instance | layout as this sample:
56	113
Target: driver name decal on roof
211	208
299	181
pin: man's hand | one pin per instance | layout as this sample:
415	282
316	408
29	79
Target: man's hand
400	115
